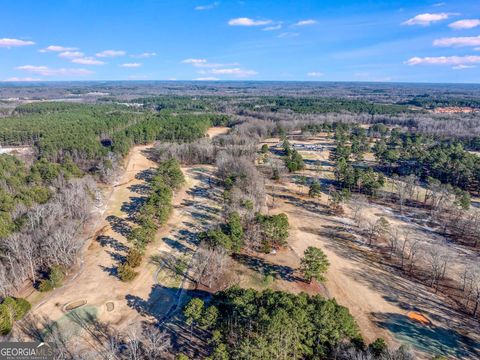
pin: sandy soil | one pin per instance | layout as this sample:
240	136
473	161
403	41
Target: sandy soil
378	298
217	130
97	282
310	225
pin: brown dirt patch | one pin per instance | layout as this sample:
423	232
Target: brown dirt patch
217	130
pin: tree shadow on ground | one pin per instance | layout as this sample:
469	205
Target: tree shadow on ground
146	175
133	206
201	218
317	162
119	225
175	244
309	205
188	236
164	306
59	333
431	339
110	270
117	256
162	301
448	324
113	243
267	268
141	189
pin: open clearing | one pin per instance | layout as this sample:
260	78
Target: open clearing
384	303
378	298
96	286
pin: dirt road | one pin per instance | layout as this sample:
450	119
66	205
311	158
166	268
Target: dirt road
96	285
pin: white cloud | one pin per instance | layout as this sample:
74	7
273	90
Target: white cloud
305	22
273	27
458	41
71	54
57	48
288	35
315	74
427	19
208	6
87	61
111	53
214	65
233	71
131	65
46	71
243	21
194	61
9	43
218	69
444	60
22	79
465	24
208	78
144	55
203	63
463	67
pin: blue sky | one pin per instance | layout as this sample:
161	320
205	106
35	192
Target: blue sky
403	41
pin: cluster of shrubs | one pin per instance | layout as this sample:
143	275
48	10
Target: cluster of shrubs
272	231
11	310
293	159
55	278
229	235
153	214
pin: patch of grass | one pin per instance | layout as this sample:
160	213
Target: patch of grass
73	323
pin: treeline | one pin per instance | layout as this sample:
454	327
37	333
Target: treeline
154	213
447	161
401	152
247	324
23	187
48	235
433	102
11	310
55	106
176	128
318	105
92	135
174	103
351	144
459	126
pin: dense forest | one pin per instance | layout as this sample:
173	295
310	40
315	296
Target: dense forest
321	105
89	134
274	325
71	142
429	102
